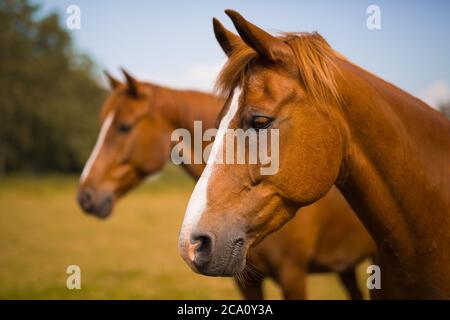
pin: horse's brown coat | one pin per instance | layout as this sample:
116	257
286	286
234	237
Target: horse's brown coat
387	151
326	237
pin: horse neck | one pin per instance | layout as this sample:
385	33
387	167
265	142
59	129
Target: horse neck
180	108
397	166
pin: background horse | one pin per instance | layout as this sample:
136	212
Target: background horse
387	151
134	142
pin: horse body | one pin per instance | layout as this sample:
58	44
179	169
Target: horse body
323	237
339	125
286	256
398	182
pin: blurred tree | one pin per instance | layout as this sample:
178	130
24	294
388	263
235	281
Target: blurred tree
49	97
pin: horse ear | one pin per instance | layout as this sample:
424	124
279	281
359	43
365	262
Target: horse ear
132	83
113	82
266	45
226	38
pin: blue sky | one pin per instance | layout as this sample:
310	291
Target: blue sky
172	43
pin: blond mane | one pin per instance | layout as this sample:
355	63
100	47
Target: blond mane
315	58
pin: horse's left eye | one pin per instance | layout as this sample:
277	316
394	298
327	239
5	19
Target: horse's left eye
124	128
260	122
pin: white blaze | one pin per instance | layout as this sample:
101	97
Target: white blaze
98	145
197	202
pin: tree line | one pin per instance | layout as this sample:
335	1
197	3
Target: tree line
49	94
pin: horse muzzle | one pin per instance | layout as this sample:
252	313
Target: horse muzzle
211	255
94	203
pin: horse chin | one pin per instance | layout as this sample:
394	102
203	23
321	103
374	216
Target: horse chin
235	267
231	268
104	209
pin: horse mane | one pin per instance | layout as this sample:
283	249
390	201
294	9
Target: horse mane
314	57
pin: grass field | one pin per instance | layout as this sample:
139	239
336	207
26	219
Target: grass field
132	255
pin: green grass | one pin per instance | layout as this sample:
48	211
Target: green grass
132	255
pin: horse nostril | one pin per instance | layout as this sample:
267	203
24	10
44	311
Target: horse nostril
85	198
205	245
238	242
204	248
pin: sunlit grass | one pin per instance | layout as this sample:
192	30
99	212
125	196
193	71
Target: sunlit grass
132	255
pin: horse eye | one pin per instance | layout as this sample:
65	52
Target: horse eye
260	122
124	128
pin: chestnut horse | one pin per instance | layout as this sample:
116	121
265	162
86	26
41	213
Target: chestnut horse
387	152
135	143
